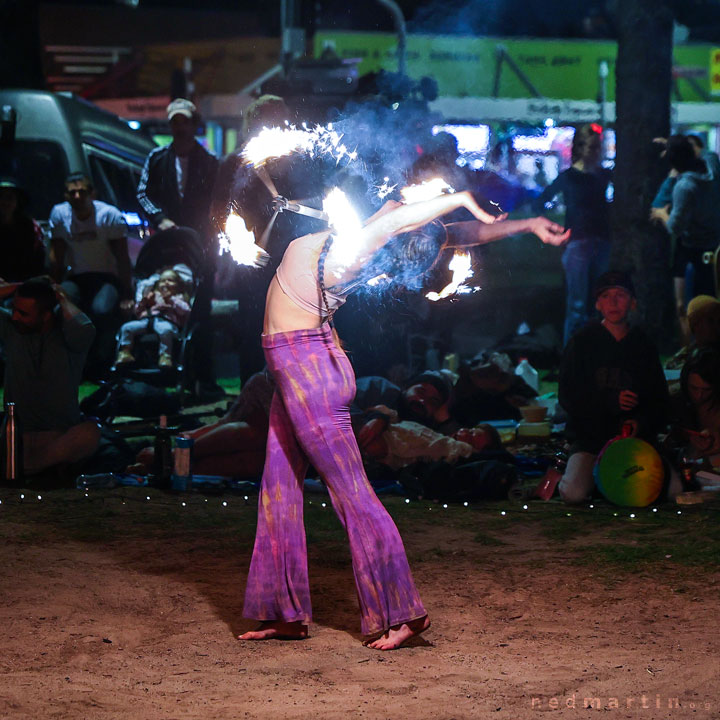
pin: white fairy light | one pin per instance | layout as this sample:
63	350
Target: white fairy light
407	501
224	503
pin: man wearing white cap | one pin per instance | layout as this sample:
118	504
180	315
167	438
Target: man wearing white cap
177	180
175	191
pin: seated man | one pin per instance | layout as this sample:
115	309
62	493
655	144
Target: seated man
45	340
610	376
89	256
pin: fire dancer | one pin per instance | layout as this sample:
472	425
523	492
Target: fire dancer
310	421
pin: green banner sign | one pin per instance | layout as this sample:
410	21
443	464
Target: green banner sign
468	66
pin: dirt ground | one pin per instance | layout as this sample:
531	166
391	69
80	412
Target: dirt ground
114	607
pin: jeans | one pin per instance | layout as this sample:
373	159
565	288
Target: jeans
584	261
164	329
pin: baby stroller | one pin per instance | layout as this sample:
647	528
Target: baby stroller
177	250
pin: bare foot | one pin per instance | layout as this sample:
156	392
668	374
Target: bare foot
398	635
277	630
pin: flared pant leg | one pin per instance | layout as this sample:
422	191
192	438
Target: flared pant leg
277	586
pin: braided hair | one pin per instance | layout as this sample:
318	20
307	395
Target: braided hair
321	272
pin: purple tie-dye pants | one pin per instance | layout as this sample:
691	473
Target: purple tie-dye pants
310	422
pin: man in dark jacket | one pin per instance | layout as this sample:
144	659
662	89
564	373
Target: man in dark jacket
175	192
177	180
610	375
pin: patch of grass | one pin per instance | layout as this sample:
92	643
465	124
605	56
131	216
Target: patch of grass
488	540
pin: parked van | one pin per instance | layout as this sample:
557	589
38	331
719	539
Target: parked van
45	136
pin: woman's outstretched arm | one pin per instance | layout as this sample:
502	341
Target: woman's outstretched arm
403	218
472	233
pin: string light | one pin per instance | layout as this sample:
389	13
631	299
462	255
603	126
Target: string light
224	503
407	501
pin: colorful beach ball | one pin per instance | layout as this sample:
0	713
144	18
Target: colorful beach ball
629	472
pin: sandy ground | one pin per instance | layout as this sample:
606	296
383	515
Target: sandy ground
135	625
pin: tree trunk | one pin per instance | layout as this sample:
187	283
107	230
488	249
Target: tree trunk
643	75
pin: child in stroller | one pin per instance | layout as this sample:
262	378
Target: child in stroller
163	308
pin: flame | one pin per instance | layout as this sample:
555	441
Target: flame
346	224
426	190
384	190
240	243
461	266
277	142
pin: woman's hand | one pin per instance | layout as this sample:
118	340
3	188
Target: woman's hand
660	215
549	232
468	202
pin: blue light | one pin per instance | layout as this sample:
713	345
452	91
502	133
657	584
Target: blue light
132	218
549	122
133	124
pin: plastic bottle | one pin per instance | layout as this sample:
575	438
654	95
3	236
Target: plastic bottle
12	445
548	483
528	373
181	480
451	362
163	461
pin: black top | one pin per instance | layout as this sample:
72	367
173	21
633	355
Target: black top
584	195
158	192
594	368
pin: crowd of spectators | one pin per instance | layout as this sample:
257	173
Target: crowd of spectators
71	310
